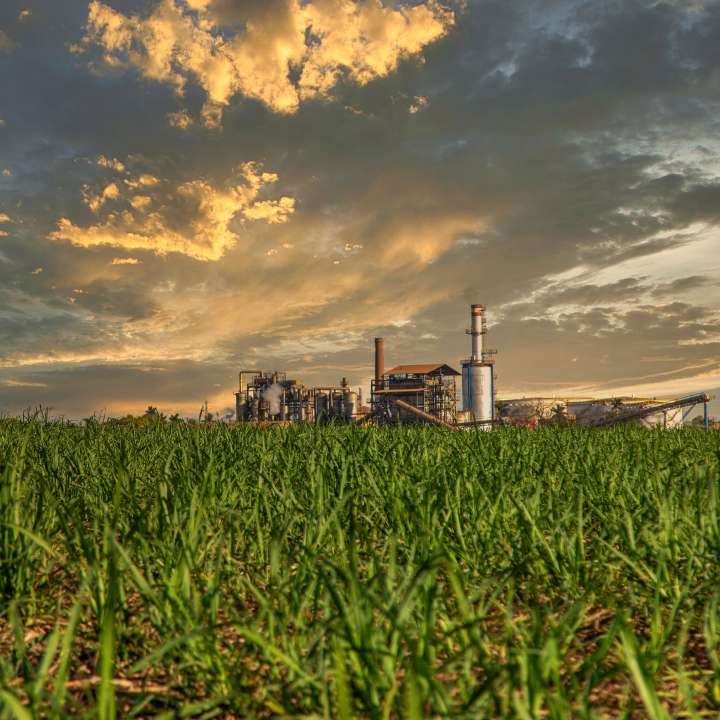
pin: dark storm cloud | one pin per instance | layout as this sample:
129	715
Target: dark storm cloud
555	135
231	13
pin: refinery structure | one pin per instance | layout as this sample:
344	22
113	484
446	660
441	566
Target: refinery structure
428	393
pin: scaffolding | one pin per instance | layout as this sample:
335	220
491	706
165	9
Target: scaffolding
432	390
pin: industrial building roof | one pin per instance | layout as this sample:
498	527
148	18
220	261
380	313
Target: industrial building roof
427	369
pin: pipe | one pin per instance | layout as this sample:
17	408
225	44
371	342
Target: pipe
422	414
379	359
492	393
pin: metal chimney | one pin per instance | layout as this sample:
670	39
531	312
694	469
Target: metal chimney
379	358
478	329
478	378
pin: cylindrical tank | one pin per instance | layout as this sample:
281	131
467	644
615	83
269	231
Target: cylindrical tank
337	404
321	406
350	404
241	407
478	391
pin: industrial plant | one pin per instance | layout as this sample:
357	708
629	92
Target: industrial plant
427	393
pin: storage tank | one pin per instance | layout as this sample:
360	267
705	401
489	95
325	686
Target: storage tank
478	391
350	404
321	406
241	407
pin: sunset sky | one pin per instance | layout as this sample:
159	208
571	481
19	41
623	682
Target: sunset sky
188	187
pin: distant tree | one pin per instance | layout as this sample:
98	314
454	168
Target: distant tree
175	418
152	413
501	408
559	413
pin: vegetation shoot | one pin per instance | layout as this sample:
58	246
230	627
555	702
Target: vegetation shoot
338	572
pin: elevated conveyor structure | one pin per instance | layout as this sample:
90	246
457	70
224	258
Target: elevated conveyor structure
690	400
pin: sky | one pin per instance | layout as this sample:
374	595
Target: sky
190	187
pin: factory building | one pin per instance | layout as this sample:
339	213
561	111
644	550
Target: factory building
428	393
271	397
430	389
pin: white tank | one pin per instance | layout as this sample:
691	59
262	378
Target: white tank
478	391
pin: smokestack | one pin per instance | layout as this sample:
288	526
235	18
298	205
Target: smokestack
379	358
477	331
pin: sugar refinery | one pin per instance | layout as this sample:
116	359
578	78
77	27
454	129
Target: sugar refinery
428	393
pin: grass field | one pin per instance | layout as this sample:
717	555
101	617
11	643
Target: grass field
337	572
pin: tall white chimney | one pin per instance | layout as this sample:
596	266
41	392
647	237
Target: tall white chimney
477	331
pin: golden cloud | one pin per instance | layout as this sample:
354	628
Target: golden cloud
180	119
193	218
4	218
319	42
111	163
141	202
142	181
96	201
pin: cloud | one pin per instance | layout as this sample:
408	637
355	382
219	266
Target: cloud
96	201
682	285
4	233
298	52
22	384
418	104
7	172
4	218
141	202
125	261
193	218
180	119
143	181
111	163
7	44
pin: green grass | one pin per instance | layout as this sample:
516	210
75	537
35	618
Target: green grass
336	572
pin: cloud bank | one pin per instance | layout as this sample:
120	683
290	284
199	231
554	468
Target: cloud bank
298	52
194	218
